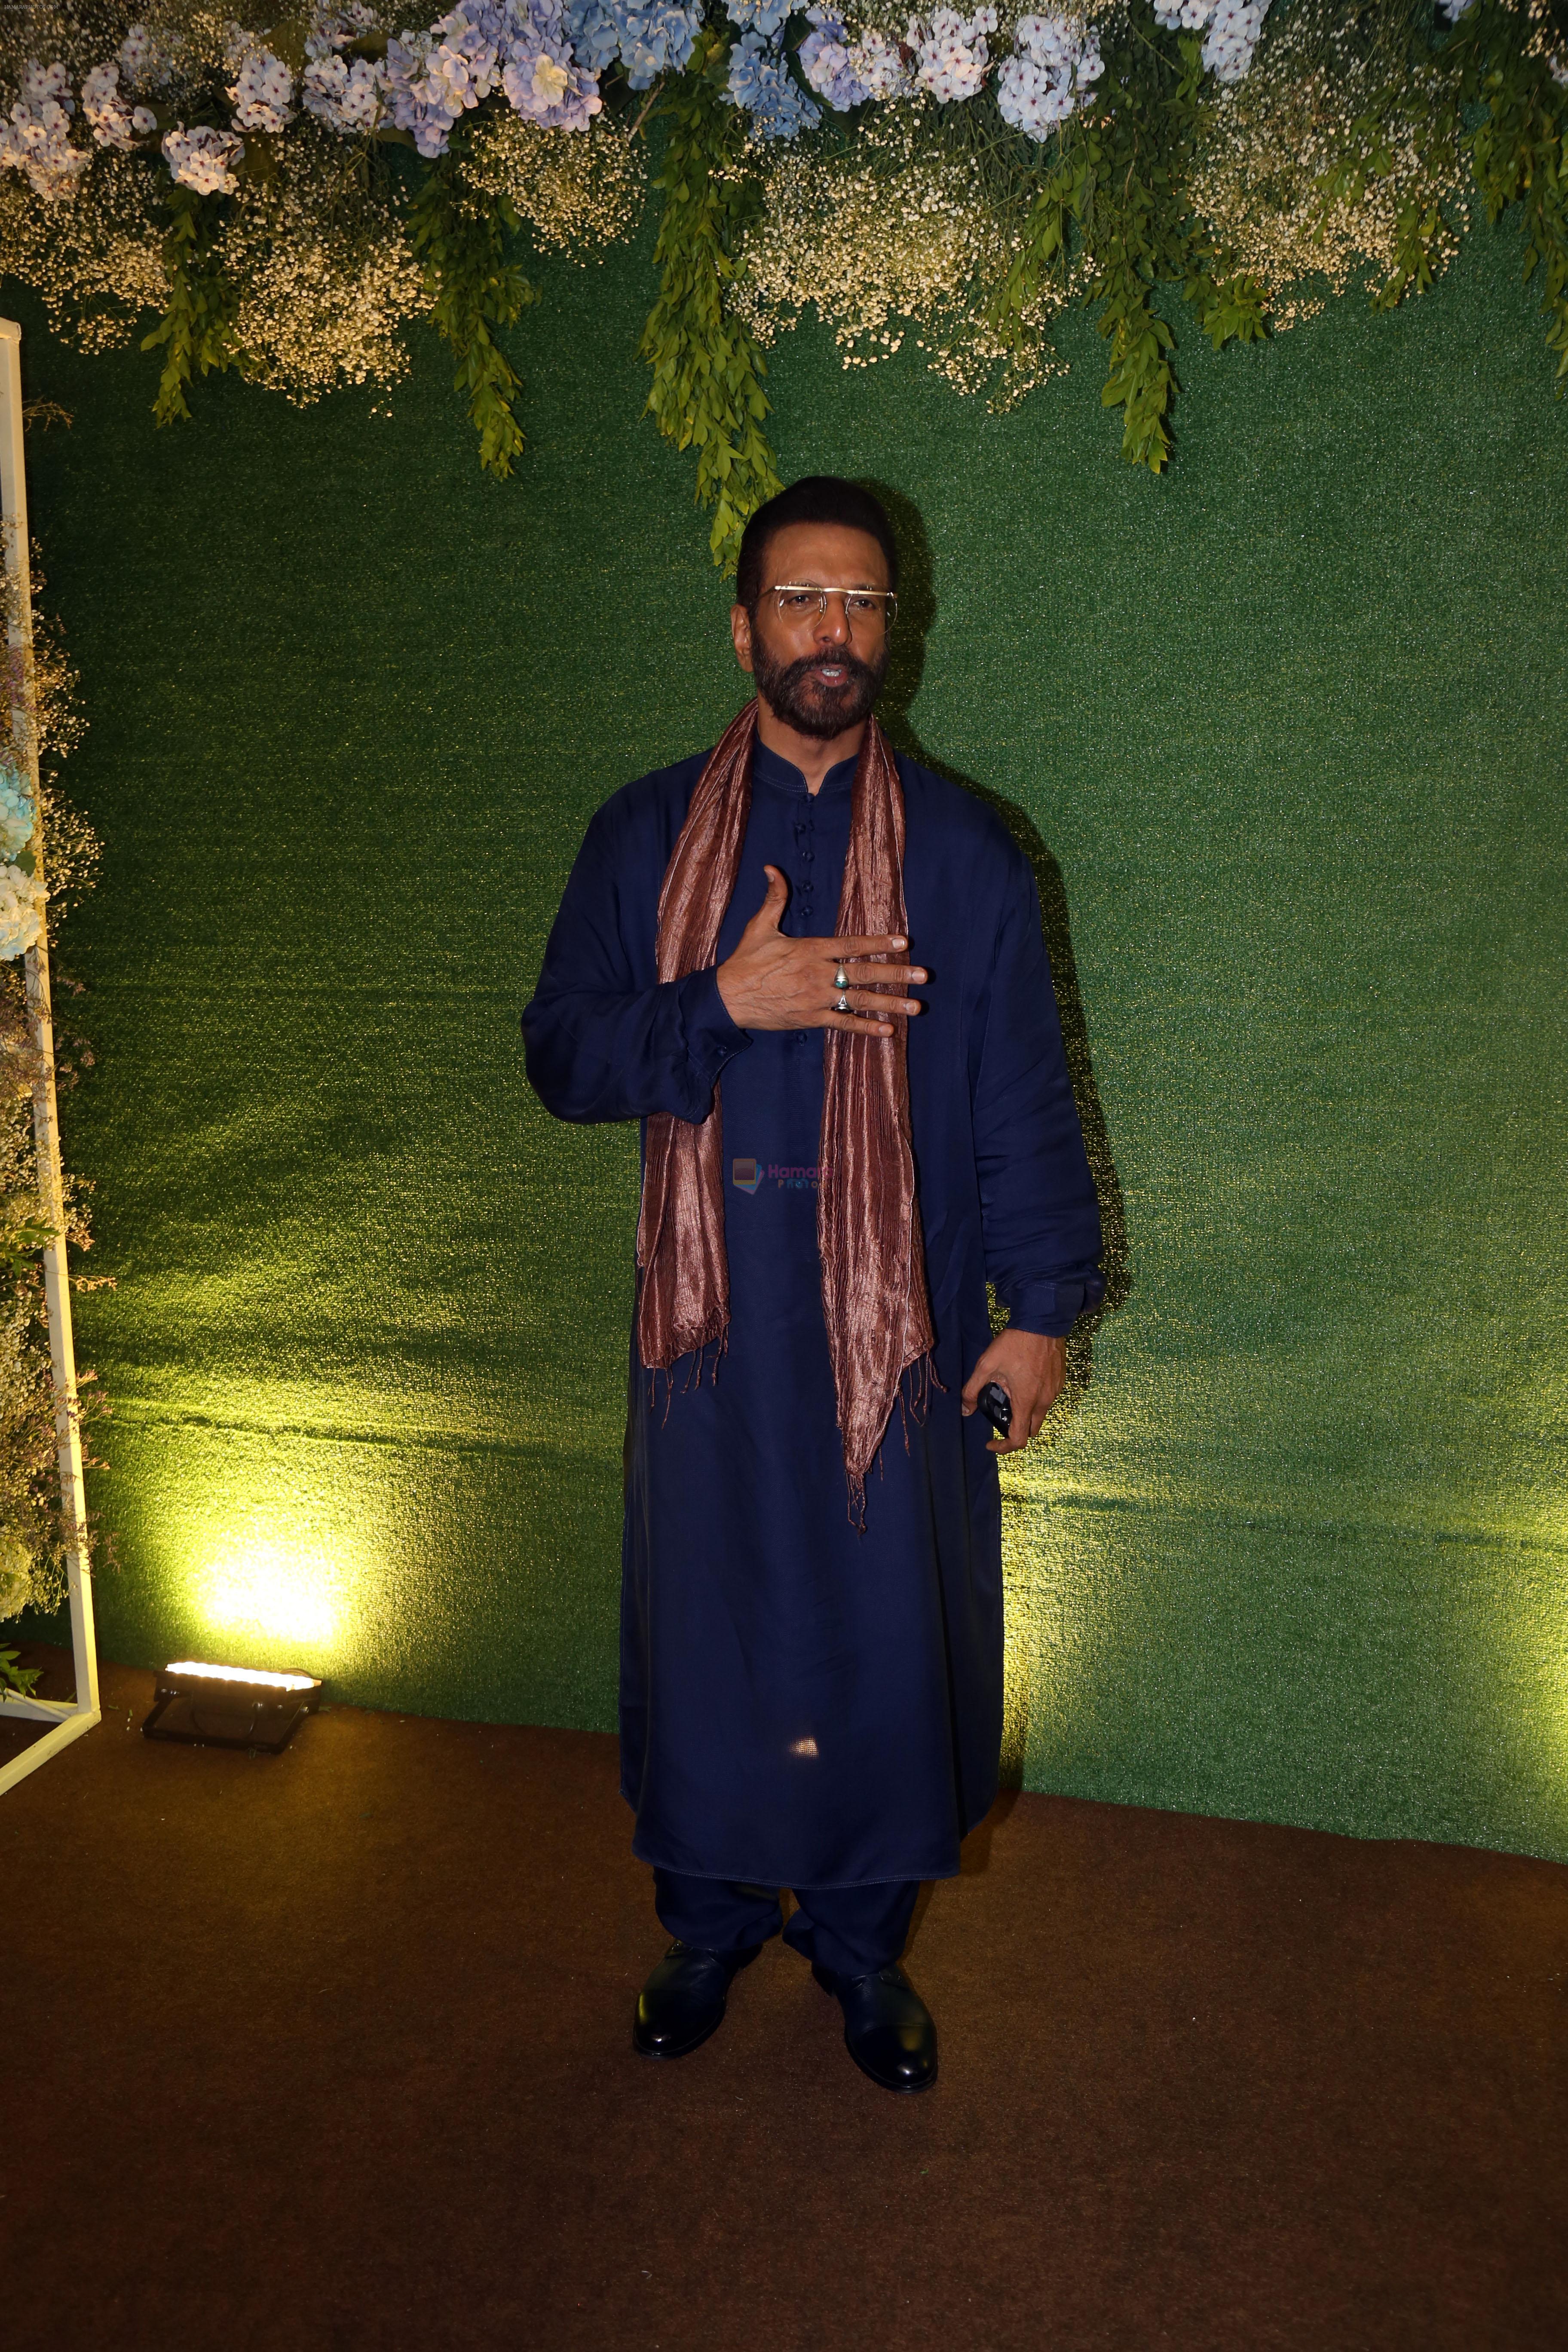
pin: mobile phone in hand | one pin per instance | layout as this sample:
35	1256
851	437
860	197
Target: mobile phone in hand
995	1403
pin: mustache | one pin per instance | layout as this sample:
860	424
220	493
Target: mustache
797	674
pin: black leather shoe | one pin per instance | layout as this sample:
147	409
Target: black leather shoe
888	2028
683	2001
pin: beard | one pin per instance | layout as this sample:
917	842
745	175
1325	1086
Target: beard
809	704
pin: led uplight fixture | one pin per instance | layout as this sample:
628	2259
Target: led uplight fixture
229	1706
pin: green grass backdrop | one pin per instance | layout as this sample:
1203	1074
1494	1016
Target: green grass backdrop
1288	725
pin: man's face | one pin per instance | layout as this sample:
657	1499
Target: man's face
819	672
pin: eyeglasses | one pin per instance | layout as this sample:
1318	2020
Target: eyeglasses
799	599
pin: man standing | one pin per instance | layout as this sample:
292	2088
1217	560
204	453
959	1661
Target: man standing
833	1167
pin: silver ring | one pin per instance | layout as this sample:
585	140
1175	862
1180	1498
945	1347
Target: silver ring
841	978
844	1004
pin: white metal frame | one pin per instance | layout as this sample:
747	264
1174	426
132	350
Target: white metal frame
67	1718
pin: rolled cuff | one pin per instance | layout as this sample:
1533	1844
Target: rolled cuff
712	1038
1051	1309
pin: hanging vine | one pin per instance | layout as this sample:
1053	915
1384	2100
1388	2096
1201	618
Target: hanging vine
706	369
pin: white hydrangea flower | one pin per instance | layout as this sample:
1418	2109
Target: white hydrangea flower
262	92
332	29
21	912
138	52
1232	30
453	80
1454	9
1233	37
113	122
203	159
36	138
879	64
953	58
431	78
145	59
46	85
1040	85
343	93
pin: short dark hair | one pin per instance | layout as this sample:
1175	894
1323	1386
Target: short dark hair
817	498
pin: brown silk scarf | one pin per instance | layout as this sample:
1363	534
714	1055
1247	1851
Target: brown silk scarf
874	1300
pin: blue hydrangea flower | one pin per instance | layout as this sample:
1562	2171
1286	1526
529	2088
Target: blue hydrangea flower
828	65
541	79
765	16
596	33
15	812
649	36
760	82
431	78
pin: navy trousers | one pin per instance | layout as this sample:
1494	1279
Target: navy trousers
850	1930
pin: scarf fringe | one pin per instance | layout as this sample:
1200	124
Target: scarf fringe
692	1358
922	1378
922	1375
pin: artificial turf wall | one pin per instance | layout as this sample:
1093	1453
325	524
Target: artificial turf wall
1285	732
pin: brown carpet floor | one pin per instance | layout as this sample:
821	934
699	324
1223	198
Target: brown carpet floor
332	2049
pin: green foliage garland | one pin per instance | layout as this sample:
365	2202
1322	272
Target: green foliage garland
196	332
1516	152
474	289
707	370
1346	143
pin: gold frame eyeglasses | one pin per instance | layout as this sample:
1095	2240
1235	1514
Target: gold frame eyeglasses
859	604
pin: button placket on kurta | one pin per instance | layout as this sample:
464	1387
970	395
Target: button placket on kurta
799	913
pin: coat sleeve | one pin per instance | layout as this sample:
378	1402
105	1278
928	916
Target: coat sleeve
1038	1209
603	1039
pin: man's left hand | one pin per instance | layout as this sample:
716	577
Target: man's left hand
1031	1368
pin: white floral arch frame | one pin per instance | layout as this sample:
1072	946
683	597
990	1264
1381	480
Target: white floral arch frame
66	1719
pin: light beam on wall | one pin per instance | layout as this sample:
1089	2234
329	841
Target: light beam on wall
271	1591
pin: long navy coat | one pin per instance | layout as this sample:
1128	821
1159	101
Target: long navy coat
803	1705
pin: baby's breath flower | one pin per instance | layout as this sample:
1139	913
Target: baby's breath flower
328	279
1274	140
578	194
892	240
96	262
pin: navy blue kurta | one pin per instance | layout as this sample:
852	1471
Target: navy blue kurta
803	1705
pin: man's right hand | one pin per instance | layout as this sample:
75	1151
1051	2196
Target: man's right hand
774	981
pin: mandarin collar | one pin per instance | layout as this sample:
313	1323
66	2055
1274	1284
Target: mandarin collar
768	767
